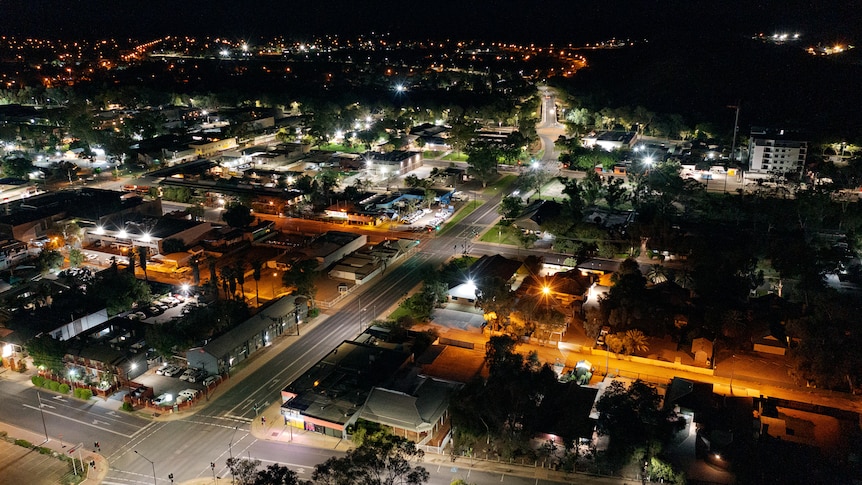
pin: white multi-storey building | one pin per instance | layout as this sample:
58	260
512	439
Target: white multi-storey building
776	152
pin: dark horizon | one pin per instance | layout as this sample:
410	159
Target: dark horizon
540	21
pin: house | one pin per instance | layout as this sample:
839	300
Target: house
537	213
487	269
568	289
224	352
416	413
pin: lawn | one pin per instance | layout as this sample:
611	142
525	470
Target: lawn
501	184
462	213
432	154
456	157
333	147
503	234
398	313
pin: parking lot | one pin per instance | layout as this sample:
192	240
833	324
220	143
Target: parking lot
165	308
168	389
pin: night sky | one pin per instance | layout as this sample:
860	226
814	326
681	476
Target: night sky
540	21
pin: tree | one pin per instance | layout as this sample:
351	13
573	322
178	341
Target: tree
49	259
256	269
301	276
132	258
461	134
482	163
380	460
142	256
635	341
575	202
76	257
243	471
615	192
592	187
632	417
17	167
276	474
118	290
239	275
238	215
47	352
511	207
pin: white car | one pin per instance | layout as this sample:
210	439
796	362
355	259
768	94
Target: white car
187	395
188	374
210	380
163	399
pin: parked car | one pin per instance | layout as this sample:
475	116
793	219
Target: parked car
175	371
188	374
163	399
198	376
162	371
210	380
186	395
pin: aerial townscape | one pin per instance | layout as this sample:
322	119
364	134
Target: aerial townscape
380	243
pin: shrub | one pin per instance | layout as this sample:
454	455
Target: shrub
45	451
64	388
54	386
38	381
23	443
84	394
313	312
127	406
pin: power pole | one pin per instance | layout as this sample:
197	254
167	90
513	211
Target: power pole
735	129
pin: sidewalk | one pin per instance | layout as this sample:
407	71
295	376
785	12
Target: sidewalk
40	471
275	429
248	366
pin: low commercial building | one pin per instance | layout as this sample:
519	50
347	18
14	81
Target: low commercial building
333	246
223	352
611	140
397	162
128	233
326	398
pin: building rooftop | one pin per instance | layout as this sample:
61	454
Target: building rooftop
338	385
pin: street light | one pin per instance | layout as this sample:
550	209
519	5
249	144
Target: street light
151	463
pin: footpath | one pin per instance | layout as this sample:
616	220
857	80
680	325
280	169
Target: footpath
19	465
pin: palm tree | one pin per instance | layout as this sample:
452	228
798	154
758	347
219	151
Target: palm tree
657	274
635	341
131	267
239	275
142	253
256	267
